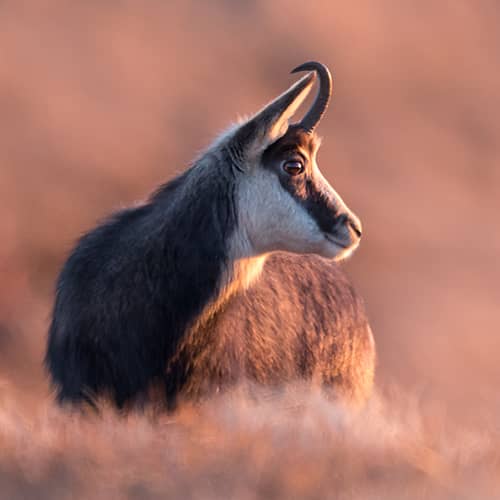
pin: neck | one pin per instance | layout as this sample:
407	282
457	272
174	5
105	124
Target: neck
236	276
242	268
211	260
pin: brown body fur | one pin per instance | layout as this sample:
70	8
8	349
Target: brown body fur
300	320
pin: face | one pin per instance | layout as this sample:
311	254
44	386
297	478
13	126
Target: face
285	203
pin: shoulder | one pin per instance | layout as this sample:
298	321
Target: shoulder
307	283
304	270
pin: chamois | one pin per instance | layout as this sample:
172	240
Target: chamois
227	273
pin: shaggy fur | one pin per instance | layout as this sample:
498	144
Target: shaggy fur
171	298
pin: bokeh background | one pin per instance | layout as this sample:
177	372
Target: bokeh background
102	101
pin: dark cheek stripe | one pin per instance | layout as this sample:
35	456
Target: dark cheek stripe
321	209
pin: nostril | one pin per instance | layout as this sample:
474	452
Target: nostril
356	227
349	221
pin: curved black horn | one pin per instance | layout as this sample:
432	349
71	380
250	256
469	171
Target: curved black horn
313	116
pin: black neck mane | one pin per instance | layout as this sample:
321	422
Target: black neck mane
199	217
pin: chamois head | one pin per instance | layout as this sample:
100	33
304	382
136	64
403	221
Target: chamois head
283	201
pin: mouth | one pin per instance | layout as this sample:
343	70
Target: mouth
335	241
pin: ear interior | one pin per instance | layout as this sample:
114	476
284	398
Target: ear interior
271	122
285	106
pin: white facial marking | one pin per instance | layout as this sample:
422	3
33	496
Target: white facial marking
270	219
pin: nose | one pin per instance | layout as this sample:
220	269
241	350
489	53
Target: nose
351	221
355	225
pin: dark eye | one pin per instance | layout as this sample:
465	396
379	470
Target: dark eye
293	167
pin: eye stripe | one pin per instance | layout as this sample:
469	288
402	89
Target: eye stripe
313	200
292	150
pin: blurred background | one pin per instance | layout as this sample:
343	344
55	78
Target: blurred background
102	101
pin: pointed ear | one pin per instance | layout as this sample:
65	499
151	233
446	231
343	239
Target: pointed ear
271	122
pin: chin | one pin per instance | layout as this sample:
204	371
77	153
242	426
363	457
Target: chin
337	252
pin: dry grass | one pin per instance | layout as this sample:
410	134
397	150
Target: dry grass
102	101
292	445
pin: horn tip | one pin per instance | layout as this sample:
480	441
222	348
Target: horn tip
299	68
312	66
310	121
